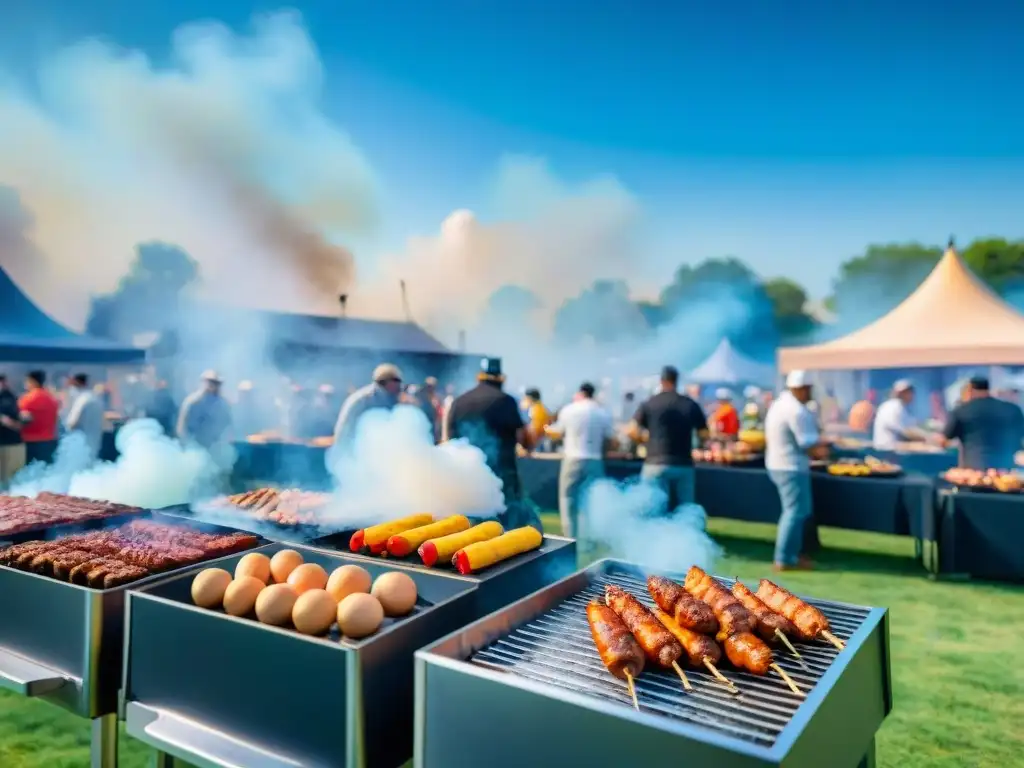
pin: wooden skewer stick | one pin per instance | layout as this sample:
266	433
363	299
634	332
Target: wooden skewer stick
789	646
682	676
632	691
788	680
719	676
833	639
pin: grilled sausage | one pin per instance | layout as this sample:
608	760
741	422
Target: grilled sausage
768	622
657	642
747	651
687	611
619	650
733	618
698	647
808	620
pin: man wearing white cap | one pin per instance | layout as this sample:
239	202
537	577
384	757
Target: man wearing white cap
205	416
383	391
792	438
894	423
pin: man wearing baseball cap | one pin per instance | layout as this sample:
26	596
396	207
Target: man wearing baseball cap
894	423
383	391
205	416
489	418
791	439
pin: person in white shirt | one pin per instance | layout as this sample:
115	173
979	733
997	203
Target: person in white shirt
85	413
894	423
791	439
585	429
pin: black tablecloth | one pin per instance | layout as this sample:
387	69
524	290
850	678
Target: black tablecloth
982	535
901	506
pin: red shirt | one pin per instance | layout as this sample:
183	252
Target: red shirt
726	420
45	410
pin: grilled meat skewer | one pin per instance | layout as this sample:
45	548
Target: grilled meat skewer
733	618
656	641
619	650
688	611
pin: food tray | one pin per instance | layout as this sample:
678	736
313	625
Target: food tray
241	693
39	532
530	675
500	584
63	642
966	487
239	520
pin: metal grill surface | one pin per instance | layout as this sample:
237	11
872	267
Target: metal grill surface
556	648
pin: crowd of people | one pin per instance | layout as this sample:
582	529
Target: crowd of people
663	429
31	423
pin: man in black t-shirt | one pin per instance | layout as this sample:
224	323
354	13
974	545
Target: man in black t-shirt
990	431
667	423
12	447
489	419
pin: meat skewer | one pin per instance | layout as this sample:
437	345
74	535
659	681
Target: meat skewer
770	625
687	611
621	654
733	618
700	649
808	620
657	642
743	648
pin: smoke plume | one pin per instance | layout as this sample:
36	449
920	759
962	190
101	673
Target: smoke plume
629	519
152	471
225	151
394	469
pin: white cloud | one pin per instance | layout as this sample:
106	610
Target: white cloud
550	237
225	151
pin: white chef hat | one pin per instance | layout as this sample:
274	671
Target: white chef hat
723	393
797	379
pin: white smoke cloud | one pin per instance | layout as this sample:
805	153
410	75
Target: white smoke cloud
551	238
395	469
225	151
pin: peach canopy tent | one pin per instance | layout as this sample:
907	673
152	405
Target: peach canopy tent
952	319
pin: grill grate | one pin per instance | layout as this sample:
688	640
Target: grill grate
556	648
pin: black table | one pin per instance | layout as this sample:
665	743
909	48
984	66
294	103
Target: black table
981	535
901	506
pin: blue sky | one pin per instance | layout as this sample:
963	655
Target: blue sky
790	134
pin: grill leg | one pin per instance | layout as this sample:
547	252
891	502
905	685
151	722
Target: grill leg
869	757
103	747
162	760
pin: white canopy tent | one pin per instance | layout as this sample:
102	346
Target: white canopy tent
952	319
728	366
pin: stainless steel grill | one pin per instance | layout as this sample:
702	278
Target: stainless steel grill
216	690
538	662
63	642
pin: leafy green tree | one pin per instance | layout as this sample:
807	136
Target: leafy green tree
147	298
789	307
602	313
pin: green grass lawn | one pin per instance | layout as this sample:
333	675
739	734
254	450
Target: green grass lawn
959	694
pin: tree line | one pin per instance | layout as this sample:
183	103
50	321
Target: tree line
716	297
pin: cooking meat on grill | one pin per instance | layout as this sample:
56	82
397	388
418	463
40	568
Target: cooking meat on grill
733	618
656	641
619	650
688	611
768	622
698	647
808	620
746	650
105	559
